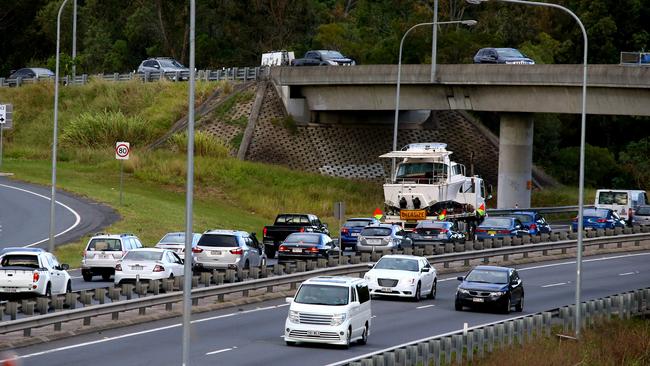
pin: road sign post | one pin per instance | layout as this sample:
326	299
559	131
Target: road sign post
122	152
5	123
339	213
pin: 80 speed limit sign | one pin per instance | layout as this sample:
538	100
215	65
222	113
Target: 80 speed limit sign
122	150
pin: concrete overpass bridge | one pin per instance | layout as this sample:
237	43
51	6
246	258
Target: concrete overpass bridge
327	94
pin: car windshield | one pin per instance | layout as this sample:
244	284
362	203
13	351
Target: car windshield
322	295
487	276
357	223
218	240
523	217
171	63
612	198
496	222
332	54
302	238
110	245
174	238
376	231
292	219
645	211
143	255
432	225
399	264
590	212
21	260
509	52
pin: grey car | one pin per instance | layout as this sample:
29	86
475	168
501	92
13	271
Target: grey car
166	65
641	215
382	237
228	249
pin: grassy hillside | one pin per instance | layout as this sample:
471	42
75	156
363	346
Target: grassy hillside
229	193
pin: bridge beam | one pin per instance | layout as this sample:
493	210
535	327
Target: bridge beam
515	160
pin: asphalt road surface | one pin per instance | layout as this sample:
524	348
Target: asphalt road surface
252	335
25	215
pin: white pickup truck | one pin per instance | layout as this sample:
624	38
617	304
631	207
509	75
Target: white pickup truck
32	270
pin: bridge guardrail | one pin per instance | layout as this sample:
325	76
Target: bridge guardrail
541	210
86	313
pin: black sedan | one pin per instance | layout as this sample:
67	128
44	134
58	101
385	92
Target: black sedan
307	246
491	286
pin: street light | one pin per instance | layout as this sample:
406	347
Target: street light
56	127
581	183
399	74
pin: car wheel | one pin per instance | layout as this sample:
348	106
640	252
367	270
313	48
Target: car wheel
68	287
520	307
290	343
87	277
458	306
364	336
48	290
416	295
106	276
507	307
247	265
348	341
434	289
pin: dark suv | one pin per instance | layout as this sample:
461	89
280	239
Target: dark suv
509	56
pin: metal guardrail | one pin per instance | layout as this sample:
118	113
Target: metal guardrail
169	299
635	58
461	347
234	73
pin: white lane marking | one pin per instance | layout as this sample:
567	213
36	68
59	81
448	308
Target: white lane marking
584	261
626	274
128	335
76	215
220	350
374	316
76	277
555	284
424	306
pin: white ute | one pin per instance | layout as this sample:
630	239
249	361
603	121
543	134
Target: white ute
333	310
32	270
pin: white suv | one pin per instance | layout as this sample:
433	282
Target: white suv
228	249
103	252
334	310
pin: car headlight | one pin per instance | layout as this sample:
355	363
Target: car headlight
294	316
331	62
497	293
463	291
338	319
411	281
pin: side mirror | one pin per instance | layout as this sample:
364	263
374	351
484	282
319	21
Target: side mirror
325	226
460	278
426	269
355	304
371	265
182	261
64	267
156	66
253	234
288	300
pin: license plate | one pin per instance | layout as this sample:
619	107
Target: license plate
477	299
428	237
442	236
136	268
492	233
375	241
386	289
412	214
313	333
9	289
215	252
296	250
354	234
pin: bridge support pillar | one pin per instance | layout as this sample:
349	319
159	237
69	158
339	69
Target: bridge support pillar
515	160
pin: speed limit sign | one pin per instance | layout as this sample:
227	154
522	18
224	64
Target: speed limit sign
122	150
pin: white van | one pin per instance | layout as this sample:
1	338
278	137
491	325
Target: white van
333	310
623	201
277	58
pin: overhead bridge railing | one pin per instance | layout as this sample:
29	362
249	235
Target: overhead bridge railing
297	274
540	210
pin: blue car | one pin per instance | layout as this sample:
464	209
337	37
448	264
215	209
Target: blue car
507	56
498	287
435	232
599	218
500	227
351	229
534	222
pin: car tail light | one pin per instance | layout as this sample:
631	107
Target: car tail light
601	221
302	229
158	268
118	267
345	230
533	226
481	230
313	250
36	276
265	231
504	231
238	251
197	250
443	230
283	248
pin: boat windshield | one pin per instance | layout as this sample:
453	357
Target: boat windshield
433	171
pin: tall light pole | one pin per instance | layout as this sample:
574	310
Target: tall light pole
434	41
74	40
581	183
189	197
399	75
56	128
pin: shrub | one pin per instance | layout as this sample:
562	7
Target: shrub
104	129
205	144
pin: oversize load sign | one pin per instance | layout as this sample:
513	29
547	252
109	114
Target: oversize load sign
122	150
412	215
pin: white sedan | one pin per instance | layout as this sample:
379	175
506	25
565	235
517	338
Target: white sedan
148	264
403	276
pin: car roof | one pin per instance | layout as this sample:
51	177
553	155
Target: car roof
361	218
495	268
112	236
148	250
506	49
525	212
21	250
225	232
402	256
179	233
388	226
334	280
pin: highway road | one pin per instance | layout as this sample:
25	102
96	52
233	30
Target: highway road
25	215
252	335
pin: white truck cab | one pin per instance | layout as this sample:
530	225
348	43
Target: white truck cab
326	309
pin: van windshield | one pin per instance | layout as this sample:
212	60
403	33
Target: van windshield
612	198
322	295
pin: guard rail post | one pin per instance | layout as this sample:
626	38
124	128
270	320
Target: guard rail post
12	309
480	338
71	299
42	305
100	295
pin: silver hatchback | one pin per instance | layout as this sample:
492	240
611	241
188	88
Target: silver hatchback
228	249
382	237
